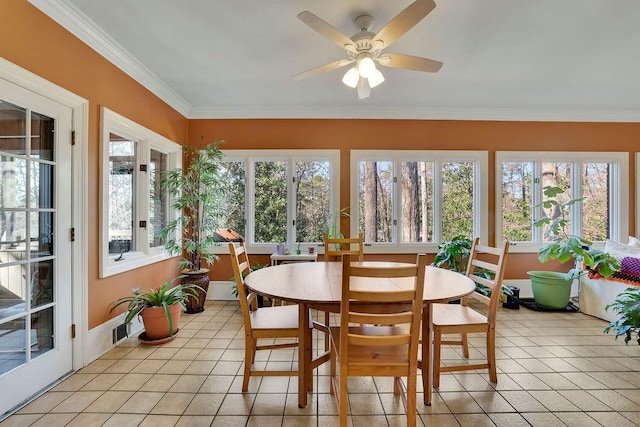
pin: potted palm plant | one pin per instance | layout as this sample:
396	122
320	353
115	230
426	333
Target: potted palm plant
196	191
159	309
552	289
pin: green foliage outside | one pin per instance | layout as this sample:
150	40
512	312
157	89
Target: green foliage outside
270	202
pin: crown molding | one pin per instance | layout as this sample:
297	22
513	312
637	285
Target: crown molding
81	26
377	112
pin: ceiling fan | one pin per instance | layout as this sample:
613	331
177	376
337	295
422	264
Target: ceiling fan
365	48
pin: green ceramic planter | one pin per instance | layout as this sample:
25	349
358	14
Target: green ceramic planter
550	289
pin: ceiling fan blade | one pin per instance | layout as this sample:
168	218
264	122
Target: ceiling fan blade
325	29
323	68
409	62
404	21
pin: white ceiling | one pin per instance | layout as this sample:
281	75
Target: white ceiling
503	59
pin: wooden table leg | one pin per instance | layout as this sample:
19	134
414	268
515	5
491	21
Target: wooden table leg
304	354
427	355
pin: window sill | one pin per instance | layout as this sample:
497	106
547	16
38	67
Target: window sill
131	261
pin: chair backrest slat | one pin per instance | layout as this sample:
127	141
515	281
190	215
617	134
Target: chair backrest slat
358	305
242	268
496	267
335	247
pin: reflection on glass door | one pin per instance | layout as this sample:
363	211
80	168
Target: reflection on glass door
35	260
26	236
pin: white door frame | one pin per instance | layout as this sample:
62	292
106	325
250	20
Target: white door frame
79	208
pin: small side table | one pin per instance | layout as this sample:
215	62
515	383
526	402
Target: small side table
285	259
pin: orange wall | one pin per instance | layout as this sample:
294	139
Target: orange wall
491	136
33	41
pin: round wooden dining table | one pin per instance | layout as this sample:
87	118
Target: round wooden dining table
318	285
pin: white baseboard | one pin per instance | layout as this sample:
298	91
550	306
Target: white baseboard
100	338
221	291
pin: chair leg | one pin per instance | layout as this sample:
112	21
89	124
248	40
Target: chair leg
437	338
412	385
491	354
465	345
344	402
249	355
326	335
332	370
396	386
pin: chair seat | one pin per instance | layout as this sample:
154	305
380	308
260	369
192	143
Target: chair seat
373	355
271	318
457	314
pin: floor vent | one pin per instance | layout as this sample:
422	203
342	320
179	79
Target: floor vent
119	333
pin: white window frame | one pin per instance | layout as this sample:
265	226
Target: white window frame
249	157
146	140
480	161
618	197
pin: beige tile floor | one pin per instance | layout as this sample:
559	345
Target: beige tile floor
554	369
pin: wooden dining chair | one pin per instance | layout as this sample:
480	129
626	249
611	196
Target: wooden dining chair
334	248
386	341
265	322
462	319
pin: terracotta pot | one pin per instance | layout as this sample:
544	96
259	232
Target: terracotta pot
156	324
200	278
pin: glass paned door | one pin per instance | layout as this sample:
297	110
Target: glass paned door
35	261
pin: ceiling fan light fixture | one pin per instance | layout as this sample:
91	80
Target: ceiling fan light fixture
366	66
376	78
351	77
364	90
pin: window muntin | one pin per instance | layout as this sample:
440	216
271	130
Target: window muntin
134	206
412	200
599	177
289	196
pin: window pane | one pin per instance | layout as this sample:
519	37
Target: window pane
158	209
417	201
42	136
312	200
41	191
457	199
42	332
13	290
556	175
13	126
517	201
122	166
233	178
13	341
376	185
595	207
41	283
270	202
